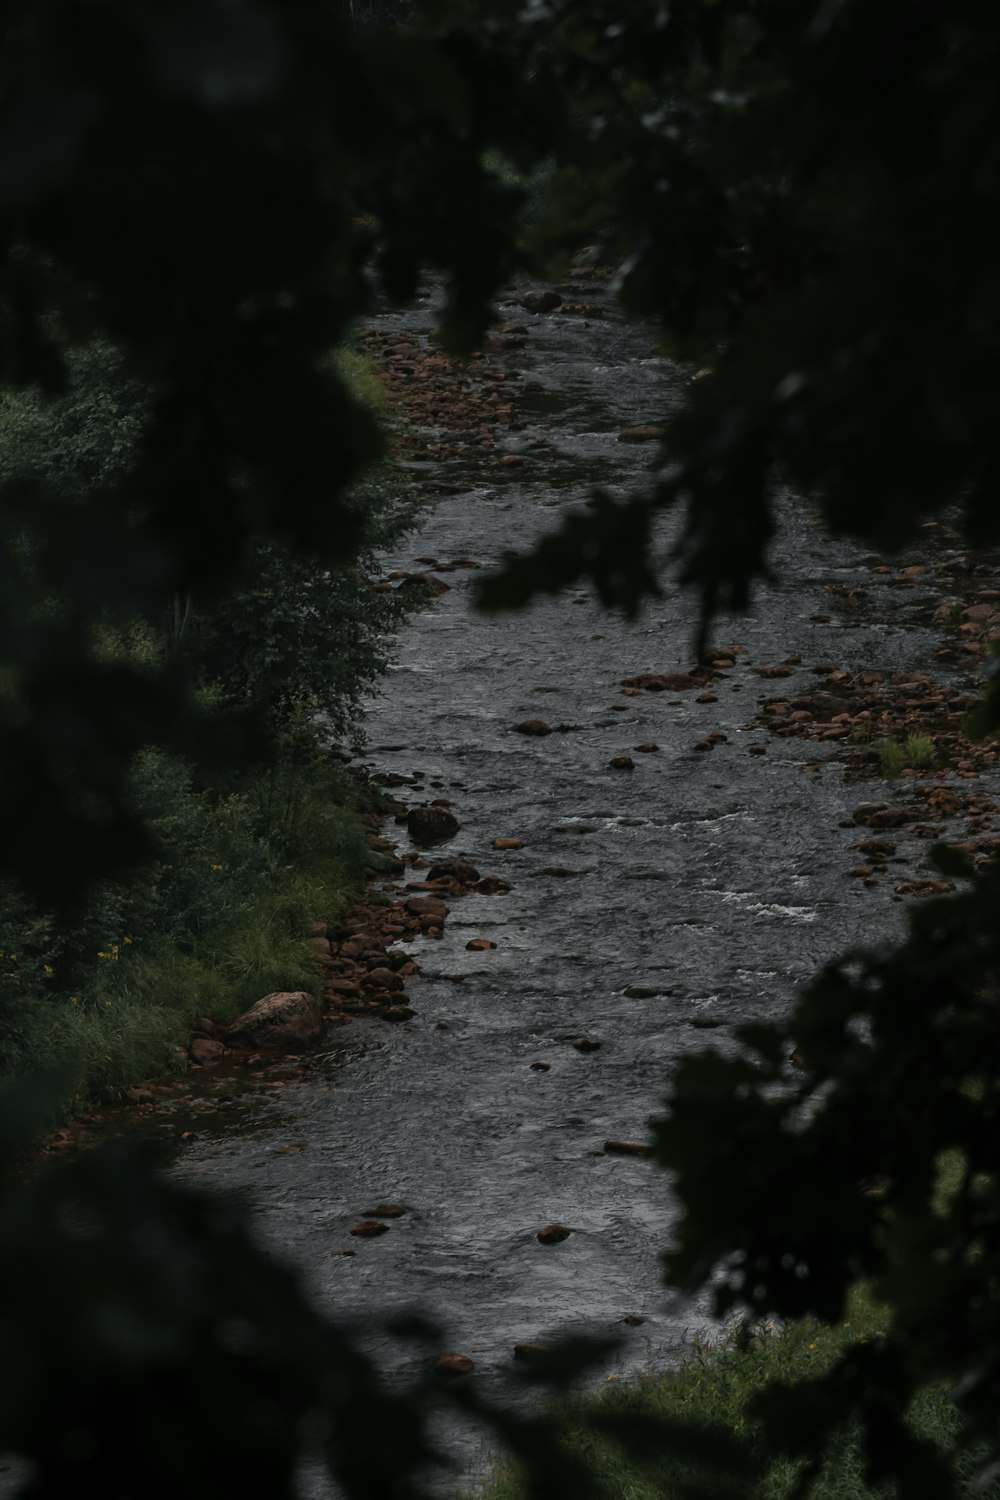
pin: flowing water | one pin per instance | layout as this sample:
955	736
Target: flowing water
694	891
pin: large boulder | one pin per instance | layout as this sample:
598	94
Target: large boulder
431	825
289	1020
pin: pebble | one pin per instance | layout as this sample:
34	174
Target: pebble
367	1229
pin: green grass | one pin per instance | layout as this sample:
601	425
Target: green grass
218	920
359	374
711	1390
916	752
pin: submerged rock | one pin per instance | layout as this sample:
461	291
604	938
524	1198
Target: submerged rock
368	1229
540	300
452	1364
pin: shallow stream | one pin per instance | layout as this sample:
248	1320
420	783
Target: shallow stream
652	909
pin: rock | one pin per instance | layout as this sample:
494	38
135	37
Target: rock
533	726
204	1051
540	300
479	945
431	825
492	885
462	870
343	989
890	817
396	1013
386	1211
665	682
426	581
867	811
876	848
627	1148
704	744
553	1234
427	908
646	748
512	460
540	1067
453	1364
508	843
367	1229
640	434
707	698
633	1320
382	979
285	1019
586	1044
204	1027
621	763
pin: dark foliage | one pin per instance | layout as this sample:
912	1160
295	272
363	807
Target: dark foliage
203	187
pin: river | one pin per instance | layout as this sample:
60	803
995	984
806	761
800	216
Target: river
652	909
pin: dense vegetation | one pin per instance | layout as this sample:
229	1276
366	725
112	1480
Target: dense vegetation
242	856
804	196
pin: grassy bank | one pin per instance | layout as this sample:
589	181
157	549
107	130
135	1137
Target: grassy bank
241	860
711	1389
218	918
